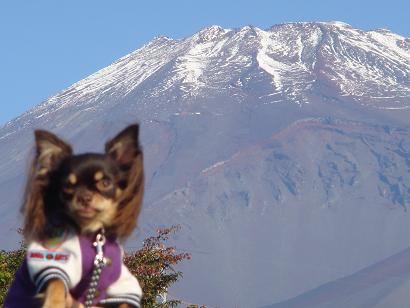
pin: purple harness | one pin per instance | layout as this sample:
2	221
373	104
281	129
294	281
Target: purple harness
23	290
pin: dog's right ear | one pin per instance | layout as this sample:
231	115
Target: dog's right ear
50	150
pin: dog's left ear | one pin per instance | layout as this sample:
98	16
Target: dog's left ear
126	151
125	147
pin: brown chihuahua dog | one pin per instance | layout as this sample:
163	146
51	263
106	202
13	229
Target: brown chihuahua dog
77	209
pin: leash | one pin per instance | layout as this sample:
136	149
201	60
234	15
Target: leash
99	262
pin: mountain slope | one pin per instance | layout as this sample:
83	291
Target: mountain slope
313	203
384	284
284	153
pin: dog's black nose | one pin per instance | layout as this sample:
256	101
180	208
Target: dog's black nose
84	198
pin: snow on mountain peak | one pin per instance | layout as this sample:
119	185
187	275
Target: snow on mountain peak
294	57
340	24
211	33
289	58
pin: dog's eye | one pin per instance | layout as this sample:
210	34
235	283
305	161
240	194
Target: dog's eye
104	184
68	189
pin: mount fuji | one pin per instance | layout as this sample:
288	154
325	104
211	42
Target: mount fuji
283	153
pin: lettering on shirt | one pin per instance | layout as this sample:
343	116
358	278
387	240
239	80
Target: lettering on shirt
45	255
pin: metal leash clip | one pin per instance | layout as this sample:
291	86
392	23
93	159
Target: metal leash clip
99	262
98	244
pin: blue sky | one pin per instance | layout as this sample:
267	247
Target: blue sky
47	45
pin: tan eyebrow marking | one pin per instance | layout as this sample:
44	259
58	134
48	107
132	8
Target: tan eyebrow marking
98	175
72	178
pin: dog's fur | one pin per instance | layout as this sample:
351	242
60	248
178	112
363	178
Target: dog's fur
83	192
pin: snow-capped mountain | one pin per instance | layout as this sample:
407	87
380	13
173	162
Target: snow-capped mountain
284	153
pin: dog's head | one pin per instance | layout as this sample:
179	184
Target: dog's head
87	191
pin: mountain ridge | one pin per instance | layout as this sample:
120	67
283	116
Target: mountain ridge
82	85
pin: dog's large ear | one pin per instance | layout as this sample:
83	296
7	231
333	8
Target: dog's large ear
126	151
125	147
50	150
